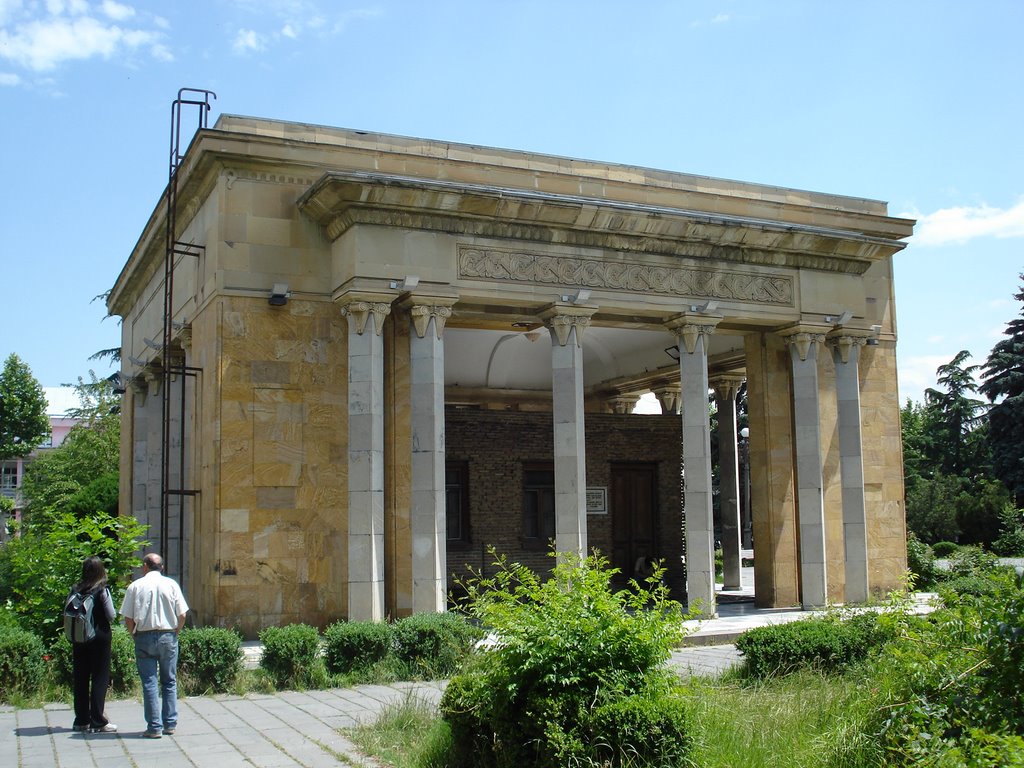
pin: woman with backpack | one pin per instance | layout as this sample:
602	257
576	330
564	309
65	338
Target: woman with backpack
90	660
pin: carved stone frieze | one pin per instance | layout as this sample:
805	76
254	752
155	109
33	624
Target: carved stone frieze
527	267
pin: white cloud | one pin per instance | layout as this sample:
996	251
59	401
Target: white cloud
960	224
116	11
71	30
6	78
288	31
720	18
248	40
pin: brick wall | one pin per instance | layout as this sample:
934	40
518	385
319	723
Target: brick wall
495	445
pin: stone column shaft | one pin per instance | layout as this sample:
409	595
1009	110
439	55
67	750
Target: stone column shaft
566	325
429	533
728	480
846	353
693	334
803	349
366	460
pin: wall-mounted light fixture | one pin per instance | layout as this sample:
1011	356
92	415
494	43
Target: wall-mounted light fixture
152	344
707	306
279	295
672	352
841	319
873	341
116	383
136	361
580	297
408	283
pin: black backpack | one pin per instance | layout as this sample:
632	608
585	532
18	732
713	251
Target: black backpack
79	622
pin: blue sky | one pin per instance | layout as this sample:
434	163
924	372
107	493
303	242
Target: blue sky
917	103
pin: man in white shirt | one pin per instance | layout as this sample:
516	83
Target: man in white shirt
154	612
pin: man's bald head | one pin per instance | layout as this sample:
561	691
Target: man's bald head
153	562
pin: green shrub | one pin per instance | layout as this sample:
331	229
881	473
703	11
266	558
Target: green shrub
971	561
1010	542
650	729
433	645
124	674
971	584
291	655
944	548
22	666
920	562
209	660
827	644
356	646
563	649
949	689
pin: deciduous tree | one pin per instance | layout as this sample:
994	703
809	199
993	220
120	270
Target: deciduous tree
23	421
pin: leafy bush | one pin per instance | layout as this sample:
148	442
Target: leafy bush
433	645
920	562
22	666
1010	542
648	729
948	691
209	659
38	568
827	644
291	655
123	672
969	561
563	651
944	548
356	646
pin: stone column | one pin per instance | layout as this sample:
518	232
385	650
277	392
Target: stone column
846	353
804	342
566	324
692	332
726	388
365	457
427	515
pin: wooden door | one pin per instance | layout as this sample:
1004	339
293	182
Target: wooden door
634	503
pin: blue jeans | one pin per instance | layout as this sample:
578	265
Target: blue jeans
160	699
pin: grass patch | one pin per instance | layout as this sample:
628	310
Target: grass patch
804	720
406	735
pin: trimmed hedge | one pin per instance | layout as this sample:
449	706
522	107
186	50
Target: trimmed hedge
827	644
356	646
22	666
124	675
291	655
433	645
209	660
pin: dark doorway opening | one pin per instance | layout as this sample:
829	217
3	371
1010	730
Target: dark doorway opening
634	510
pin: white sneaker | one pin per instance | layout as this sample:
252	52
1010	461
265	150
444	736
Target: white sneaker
108	728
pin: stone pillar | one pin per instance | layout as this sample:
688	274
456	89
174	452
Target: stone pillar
804	342
365	457
692	334
427	515
846	353
566	324
668	397
726	388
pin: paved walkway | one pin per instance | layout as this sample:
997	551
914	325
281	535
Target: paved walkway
270	731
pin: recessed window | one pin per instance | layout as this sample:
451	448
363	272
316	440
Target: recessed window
9	477
538	504
456	503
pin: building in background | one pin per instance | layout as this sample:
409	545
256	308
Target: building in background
358	360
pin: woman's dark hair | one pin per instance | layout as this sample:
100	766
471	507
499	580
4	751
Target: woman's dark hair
94	575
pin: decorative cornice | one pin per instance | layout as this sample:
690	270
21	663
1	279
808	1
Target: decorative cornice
690	282
358	312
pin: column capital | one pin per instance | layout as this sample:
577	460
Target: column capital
842	341
668	397
623	404
422	308
184	337
801	337
561	318
690	326
154	378
726	385
358	308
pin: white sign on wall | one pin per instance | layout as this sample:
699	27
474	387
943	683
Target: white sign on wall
597	501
